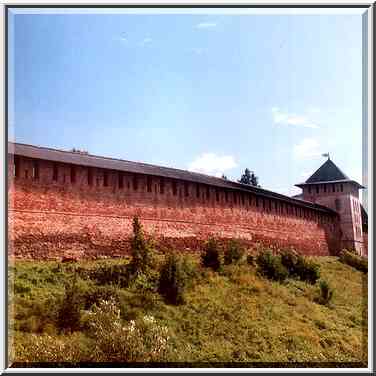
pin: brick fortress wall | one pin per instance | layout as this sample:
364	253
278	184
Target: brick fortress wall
57	210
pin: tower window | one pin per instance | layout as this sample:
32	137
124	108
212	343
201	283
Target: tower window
341	187
250	200
207	193
73	174
333	187
317	189
174	188
242	199
325	188
198	190
235	197
226	196
216	195
309	190
257	202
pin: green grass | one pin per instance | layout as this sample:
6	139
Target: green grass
233	315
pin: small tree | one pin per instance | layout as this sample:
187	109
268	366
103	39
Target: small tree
210	257
233	253
140	249
249	178
69	312
172	280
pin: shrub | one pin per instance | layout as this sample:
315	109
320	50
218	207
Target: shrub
210	257
69	313
307	271
172	280
271	266
251	260
115	274
233	253
140	250
114	341
352	259
299	267
325	293
72	348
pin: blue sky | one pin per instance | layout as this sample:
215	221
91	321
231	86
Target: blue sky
214	93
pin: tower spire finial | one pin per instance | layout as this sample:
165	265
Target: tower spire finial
326	155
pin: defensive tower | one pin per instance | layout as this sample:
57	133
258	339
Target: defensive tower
330	187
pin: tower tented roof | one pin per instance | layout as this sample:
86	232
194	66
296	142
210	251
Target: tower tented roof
329	172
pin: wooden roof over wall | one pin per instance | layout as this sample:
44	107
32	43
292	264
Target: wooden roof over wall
89	160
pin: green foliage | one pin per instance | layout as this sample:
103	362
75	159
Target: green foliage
271	266
233	253
307	270
70	310
140	250
172	281
59	350
210	257
108	274
115	341
326	293
249	178
299	267
251	260
352	259
234	316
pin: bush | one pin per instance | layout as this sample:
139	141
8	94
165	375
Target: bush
325	293
140	250
115	274
299	267
357	262
233	253
307	270
72	348
210	257
114	341
271	266
69	313
251	260
172	280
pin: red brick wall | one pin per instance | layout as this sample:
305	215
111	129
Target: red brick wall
50	219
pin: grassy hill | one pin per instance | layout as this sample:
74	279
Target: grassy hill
232	317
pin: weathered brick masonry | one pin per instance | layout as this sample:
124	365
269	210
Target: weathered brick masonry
58	209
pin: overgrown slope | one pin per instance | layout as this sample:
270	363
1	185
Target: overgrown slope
231	316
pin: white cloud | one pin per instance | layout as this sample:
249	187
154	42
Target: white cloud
212	164
206	25
307	148
284	118
145	41
199	50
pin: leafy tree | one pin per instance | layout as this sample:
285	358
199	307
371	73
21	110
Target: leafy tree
172	281
249	178
140	249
